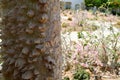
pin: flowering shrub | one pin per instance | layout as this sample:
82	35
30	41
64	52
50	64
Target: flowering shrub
88	55
93	51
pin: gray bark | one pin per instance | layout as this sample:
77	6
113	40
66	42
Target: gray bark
31	45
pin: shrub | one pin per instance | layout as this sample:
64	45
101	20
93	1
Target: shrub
81	74
66	78
70	19
64	25
80	35
97	51
65	14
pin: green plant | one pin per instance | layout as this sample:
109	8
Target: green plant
80	35
64	25
66	78
97	3
70	19
81	74
65	14
81	23
94	27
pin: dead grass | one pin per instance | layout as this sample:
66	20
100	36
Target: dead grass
118	24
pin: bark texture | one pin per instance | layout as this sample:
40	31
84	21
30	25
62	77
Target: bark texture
31	40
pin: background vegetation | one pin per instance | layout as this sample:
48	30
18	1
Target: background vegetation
98	3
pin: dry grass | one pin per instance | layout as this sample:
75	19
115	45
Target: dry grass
118	24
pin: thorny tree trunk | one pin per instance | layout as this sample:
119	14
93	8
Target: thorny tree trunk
31	40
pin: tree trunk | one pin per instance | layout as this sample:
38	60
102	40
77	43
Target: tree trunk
31	45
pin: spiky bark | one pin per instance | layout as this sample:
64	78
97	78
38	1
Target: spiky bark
31	40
